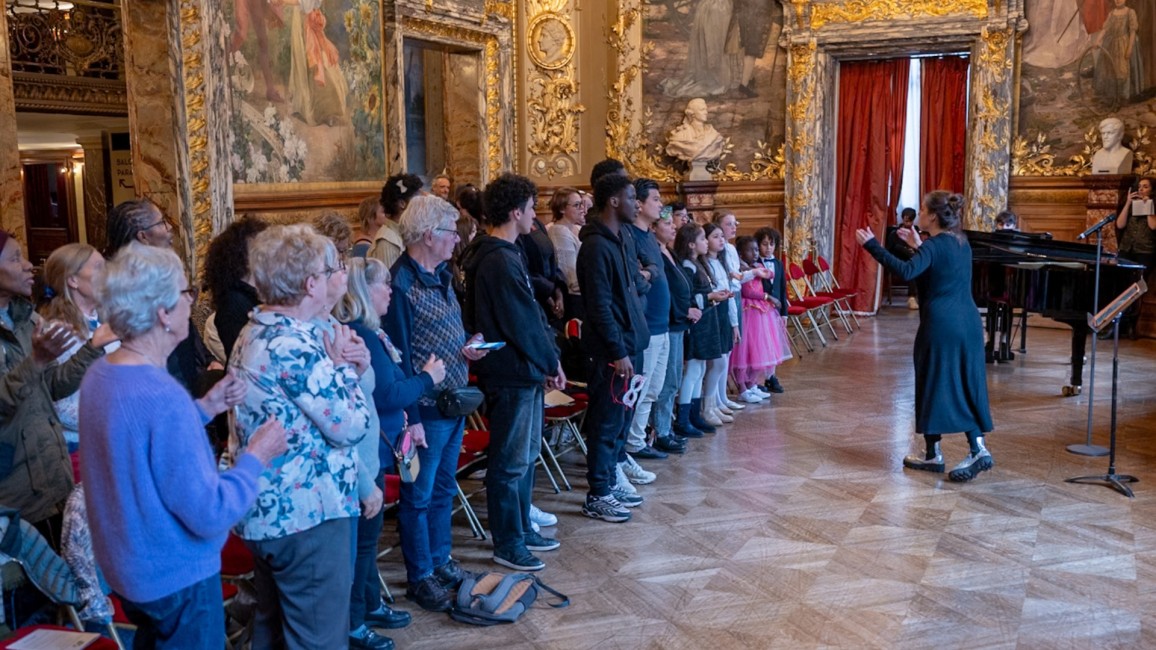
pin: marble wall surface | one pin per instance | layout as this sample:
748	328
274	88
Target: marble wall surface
11	187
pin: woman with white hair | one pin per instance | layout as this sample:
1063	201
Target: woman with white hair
427	321
301	532
159	508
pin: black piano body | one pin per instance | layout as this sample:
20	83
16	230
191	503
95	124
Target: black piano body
1056	279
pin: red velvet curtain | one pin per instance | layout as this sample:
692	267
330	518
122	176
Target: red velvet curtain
943	124
872	116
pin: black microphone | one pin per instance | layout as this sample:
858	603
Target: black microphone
1096	228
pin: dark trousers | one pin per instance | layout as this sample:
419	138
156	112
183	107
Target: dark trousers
516	418
365	596
607	420
303	582
193	617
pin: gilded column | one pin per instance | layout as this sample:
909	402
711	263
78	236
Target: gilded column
807	222
989	129
95	191
550	87
393	62
11	185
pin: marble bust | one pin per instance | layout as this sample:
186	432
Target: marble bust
694	140
1113	157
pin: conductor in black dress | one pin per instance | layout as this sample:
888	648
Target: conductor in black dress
950	373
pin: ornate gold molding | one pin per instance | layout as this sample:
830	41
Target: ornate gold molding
860	11
192	69
990	128
1033	157
50	93
552	89
801	164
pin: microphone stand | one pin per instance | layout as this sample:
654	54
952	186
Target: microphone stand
1088	449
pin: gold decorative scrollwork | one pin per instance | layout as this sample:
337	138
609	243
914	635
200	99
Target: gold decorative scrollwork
552	89
990	130
800	164
553	114
1035	158
551	41
200	220
859	11
77	38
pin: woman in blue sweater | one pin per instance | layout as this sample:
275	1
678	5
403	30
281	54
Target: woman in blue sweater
159	509
362	307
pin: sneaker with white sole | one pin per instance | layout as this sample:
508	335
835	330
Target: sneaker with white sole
761	390
519	559
628	499
750	396
606	508
623	481
634	472
541	517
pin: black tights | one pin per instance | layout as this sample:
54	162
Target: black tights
931	440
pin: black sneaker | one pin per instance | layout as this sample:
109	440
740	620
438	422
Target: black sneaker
429	594
535	542
451	574
628	499
605	508
649	453
670	444
388	618
971	466
773	384
370	640
519	560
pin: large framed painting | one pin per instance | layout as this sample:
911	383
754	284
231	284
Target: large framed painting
307	94
726	53
1084	61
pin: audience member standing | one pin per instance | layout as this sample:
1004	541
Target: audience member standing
370	219
684	312
500	305
615	335
396	194
230	279
569	211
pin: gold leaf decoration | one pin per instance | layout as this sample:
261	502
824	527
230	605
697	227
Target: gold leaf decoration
860	11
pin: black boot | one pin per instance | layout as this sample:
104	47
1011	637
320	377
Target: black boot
682	425
696	417
773	384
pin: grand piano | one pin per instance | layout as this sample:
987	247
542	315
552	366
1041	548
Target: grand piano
1029	272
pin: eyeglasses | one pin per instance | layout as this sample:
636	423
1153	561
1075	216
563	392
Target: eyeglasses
452	231
164	221
575	204
192	292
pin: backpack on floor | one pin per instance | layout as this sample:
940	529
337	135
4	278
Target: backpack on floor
492	598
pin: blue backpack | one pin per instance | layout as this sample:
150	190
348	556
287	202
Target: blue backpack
493	598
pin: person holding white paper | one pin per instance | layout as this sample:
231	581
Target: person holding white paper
1134	232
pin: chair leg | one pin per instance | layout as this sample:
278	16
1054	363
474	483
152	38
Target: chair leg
475	523
549	474
549	453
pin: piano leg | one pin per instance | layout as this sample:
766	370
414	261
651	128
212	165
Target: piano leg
999	320
1023	332
1080	331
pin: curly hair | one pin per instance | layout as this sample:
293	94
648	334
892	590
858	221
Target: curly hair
607	187
398	190
335	226
227	261
505	194
469	198
126	220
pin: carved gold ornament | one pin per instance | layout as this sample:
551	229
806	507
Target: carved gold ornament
551	43
859	11
199	222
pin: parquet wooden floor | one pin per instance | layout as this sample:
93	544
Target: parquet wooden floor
797	527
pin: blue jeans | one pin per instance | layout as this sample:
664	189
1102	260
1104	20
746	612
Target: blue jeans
516	418
423	516
365	596
193	617
664	405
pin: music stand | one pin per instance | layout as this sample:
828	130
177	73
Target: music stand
1111	313
1088	449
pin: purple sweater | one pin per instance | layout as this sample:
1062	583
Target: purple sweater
158	508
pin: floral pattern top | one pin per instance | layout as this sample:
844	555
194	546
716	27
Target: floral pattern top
324	412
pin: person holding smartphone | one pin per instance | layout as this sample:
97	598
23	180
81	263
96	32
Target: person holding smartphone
1134	232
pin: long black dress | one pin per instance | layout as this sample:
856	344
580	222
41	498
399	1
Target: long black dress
950	373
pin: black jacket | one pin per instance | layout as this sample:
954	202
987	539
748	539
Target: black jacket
615	326
233	311
500	305
681	295
777	288
541	264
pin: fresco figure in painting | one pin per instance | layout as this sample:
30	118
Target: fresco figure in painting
256	16
754	21
317	87
707	72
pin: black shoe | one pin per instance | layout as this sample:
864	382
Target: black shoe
388	618
970	467
371	641
649	453
746	91
429	594
451	574
670	444
519	560
536	542
773	385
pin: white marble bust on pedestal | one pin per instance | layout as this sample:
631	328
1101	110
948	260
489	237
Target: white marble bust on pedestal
694	141
1113	157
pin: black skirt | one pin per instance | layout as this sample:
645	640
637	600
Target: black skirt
702	339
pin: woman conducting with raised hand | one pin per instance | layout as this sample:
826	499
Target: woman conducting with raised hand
362	308
950	372
160	509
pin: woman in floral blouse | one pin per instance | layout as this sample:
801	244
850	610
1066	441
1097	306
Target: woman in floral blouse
300	531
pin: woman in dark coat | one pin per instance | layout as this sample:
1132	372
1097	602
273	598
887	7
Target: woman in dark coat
950	373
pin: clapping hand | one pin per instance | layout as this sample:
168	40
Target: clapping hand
224	395
864	235
910	237
50	340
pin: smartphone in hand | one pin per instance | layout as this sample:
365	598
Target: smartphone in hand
486	345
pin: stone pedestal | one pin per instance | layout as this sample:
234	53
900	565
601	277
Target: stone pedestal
11	187
698	171
1106	193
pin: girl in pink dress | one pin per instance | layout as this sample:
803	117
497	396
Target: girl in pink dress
764	343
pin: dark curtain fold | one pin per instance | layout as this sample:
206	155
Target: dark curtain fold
943	124
869	164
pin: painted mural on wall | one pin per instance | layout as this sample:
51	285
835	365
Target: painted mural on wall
307	89
1084	61
726	53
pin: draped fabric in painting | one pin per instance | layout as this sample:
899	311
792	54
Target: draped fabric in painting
872	116
943	124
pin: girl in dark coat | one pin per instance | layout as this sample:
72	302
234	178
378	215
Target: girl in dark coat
950	373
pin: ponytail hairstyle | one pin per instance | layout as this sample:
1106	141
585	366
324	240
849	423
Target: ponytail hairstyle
684	249
947	208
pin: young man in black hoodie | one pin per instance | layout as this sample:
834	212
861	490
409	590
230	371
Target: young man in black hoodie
615	335
500	305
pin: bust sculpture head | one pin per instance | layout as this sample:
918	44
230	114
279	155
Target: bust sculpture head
1113	157
695	139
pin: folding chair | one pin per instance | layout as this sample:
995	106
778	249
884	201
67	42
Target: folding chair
816	308
475	442
814	283
831	283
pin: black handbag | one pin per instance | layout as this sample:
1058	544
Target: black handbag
459	402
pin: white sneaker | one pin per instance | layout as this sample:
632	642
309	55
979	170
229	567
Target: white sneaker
624	484
541	517
635	473
761	391
912	303
751	396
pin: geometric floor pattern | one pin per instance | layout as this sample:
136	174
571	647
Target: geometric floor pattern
797	527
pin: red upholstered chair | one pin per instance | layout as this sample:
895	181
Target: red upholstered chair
831	283
795	314
475	443
816	308
818	287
